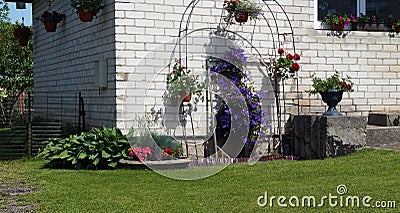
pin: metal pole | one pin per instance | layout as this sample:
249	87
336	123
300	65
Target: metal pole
79	112
29	141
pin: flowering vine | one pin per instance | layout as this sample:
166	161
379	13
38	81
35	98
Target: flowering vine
233	68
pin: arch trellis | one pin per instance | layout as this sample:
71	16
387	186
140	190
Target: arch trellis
223	29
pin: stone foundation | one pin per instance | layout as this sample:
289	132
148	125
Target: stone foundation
319	137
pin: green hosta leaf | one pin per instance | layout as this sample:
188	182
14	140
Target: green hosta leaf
64	154
96	161
112	164
104	154
82	155
92	157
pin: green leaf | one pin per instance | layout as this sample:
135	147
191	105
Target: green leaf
92	157
64	154
112	164
104	154
82	155
96	161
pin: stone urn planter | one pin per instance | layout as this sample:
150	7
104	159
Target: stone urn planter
332	98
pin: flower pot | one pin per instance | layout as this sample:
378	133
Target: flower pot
242	17
347	28
332	98
360	26
23	34
187	97
85	17
325	26
338	27
23	41
398	29
50	26
375	27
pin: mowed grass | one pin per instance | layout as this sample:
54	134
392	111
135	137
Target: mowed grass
374	173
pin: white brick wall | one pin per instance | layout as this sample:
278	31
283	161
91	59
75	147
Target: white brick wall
132	32
64	65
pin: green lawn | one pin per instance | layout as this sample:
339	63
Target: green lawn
373	173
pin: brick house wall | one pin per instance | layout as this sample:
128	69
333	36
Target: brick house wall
64	65
136	36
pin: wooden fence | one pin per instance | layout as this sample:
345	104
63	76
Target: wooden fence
14	142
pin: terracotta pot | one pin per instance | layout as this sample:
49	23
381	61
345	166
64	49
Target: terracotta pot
187	98
50	26
85	17
398	29
338	27
242	18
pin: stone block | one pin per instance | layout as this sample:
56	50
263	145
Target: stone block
384	119
343	135
386	137
319	137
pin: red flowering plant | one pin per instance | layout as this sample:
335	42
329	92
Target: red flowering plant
285	66
396	25
332	83
140	152
168	152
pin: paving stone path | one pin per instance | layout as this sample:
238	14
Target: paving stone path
10	197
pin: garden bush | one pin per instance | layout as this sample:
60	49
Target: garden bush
96	149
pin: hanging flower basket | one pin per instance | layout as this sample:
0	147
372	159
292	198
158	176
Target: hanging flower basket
85	16
187	97
182	84
23	34
50	26
87	9
242	18
241	11
50	20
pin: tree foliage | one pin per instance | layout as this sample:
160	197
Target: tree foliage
16	65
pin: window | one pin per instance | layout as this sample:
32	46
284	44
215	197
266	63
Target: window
385	9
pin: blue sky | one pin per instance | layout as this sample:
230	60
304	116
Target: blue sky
16	15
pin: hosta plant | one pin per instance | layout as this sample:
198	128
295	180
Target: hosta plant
96	149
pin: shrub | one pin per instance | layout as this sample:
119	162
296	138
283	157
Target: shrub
96	149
